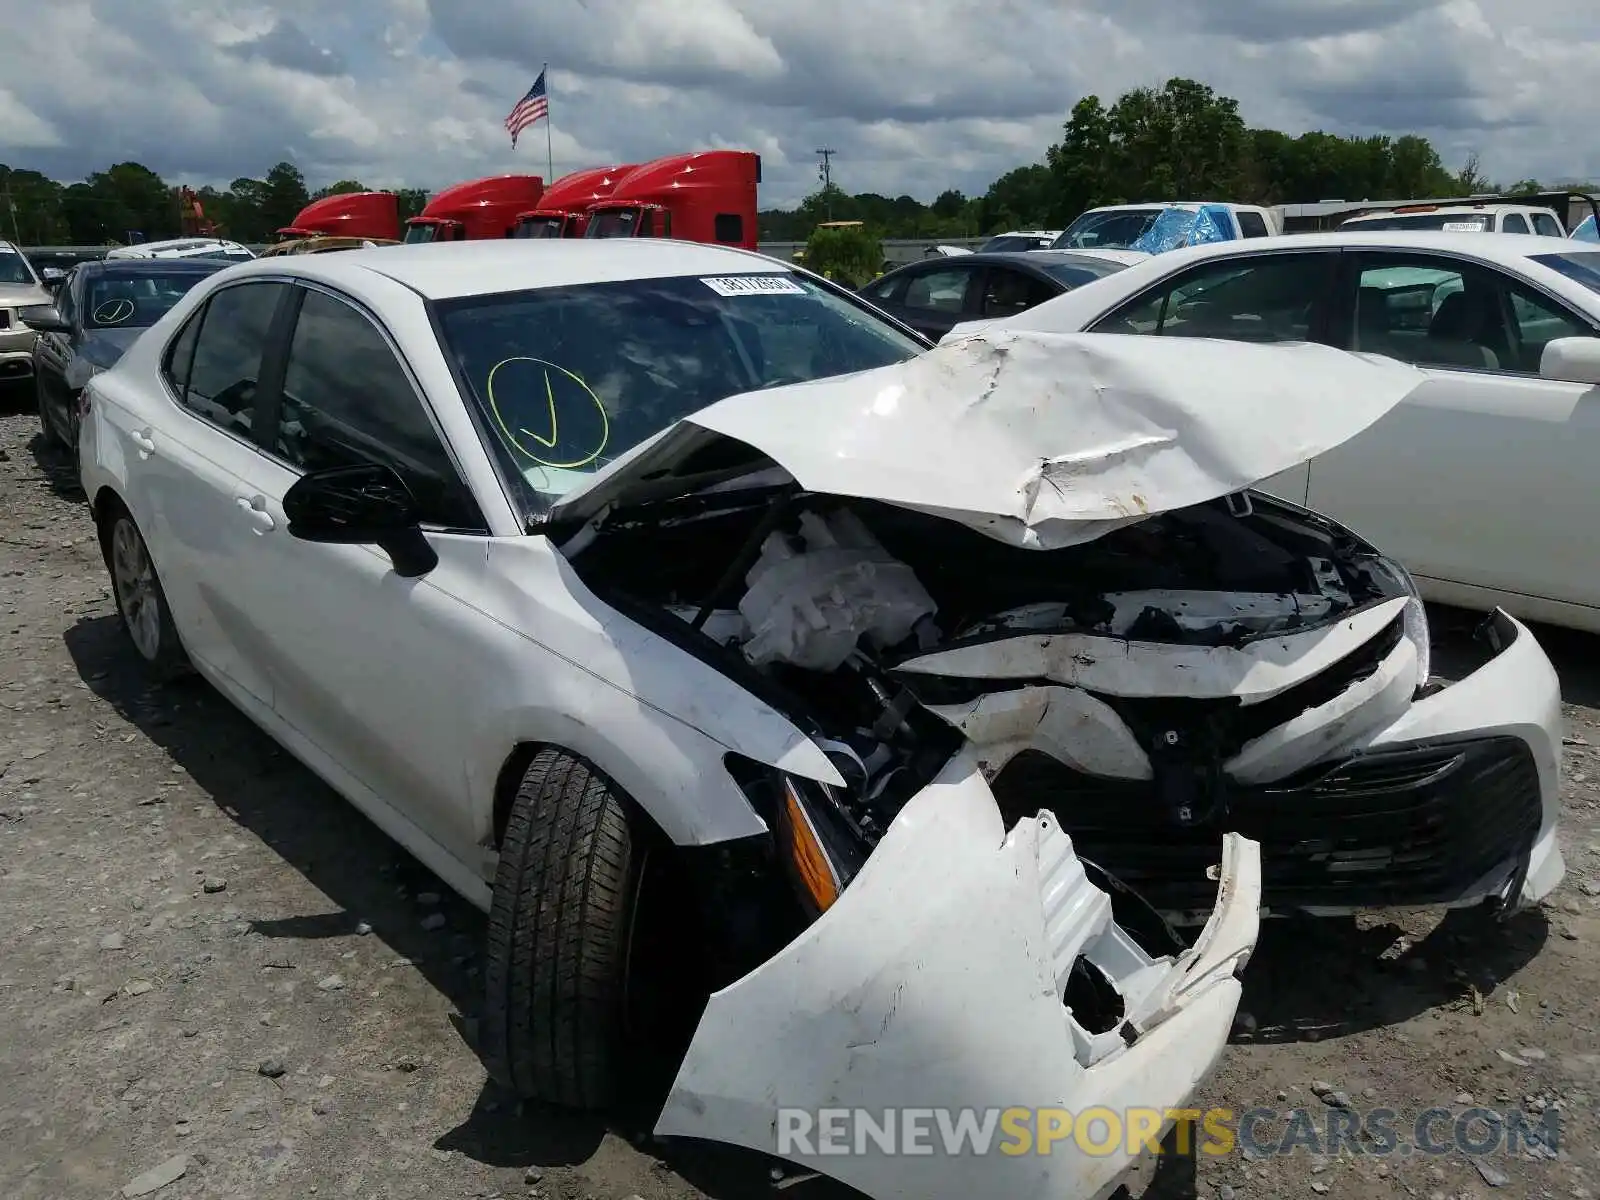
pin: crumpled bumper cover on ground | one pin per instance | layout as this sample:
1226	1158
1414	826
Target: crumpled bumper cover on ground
937	981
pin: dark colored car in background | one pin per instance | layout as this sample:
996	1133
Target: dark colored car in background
99	309
935	295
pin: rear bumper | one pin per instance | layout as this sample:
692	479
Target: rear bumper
1454	802
937	989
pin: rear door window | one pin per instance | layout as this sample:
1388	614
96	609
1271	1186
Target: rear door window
940	291
1264	298
347	400
1435	311
1007	292
1252	225
1547	226
230	338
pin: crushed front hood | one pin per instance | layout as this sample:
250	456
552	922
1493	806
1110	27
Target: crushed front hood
1041	440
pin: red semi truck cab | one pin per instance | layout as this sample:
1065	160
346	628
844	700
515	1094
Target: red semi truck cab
564	209
476	209
705	197
373	215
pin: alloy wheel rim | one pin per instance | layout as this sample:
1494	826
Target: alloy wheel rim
135	581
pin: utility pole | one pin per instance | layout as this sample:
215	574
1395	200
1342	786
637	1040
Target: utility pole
825	173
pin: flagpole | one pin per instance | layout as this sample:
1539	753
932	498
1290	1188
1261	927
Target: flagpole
549	151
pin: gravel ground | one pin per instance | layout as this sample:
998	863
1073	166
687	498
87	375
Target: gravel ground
210	962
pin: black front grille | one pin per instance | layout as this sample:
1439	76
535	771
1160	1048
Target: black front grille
1409	826
5	318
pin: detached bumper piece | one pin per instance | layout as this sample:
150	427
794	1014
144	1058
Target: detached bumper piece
966	971
1415	825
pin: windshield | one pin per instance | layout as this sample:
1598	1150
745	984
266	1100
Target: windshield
1014	241
1587	231
1114	229
613	222
567	379
14	268
1582	266
114	301
1448	222
426	231
539	227
1079	271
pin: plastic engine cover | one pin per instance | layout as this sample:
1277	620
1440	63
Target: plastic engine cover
809	606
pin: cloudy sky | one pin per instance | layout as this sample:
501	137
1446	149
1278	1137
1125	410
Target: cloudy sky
915	95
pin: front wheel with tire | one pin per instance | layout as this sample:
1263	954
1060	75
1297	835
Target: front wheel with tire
141	603
554	1022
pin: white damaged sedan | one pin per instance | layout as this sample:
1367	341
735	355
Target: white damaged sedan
721	644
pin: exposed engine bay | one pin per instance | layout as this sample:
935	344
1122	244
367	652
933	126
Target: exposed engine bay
1225	644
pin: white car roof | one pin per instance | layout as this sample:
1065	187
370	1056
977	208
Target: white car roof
1451	210
173	247
1080	307
445	270
1506	251
1161	205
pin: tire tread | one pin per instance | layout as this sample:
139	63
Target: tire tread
557	936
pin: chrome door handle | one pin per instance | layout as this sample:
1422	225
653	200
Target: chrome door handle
254	507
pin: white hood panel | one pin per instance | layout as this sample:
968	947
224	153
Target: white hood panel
1045	440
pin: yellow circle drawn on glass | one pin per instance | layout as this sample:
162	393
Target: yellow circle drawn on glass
555	432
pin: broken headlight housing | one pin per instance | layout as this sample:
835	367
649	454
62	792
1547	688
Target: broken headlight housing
1415	620
817	845
820	851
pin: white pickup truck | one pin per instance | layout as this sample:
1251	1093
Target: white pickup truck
1121	226
1461	218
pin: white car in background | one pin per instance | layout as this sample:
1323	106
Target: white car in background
185	248
1015	240
1482	481
1122	226
1459	218
673	605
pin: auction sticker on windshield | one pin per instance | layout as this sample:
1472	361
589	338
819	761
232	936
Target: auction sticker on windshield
1464	226
754	285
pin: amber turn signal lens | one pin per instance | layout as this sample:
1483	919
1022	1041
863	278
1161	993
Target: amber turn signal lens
805	851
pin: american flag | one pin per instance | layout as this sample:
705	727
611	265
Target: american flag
531	109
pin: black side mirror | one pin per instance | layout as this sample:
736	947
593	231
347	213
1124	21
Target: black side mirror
364	505
43	318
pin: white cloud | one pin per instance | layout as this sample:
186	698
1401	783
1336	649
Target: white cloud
915	95
24	128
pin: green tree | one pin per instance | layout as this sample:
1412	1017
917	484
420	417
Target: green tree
1080	163
1471	180
1023	198
411	201
1415	172
343	187
284	196
852	254
30	208
124	201
949	205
